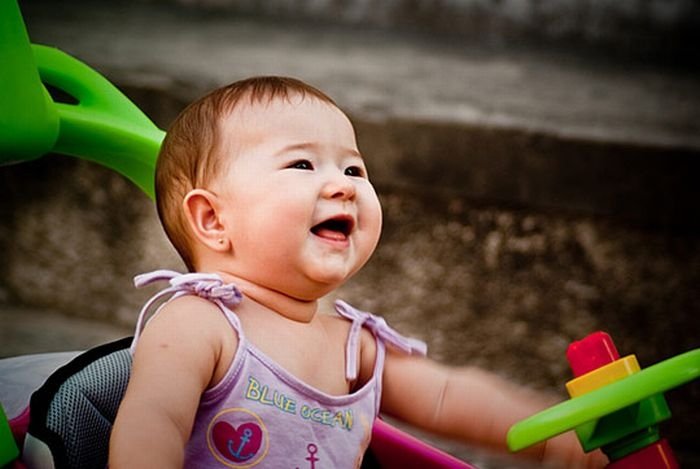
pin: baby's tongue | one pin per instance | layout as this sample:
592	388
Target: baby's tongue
330	234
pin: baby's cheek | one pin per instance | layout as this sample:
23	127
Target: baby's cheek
371	215
370	231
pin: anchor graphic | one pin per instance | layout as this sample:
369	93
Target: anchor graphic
244	439
241	443
312	449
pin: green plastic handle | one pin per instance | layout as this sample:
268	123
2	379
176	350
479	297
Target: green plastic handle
28	119
570	414
104	126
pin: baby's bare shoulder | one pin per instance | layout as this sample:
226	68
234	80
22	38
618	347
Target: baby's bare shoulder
194	328
193	316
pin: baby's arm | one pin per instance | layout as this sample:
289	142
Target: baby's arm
472	405
175	361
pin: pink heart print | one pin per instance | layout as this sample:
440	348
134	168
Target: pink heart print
237	444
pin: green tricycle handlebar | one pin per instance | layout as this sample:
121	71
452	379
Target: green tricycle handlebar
568	415
103	126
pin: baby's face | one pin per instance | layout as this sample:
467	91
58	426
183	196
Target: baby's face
300	212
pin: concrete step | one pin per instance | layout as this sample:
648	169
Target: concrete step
548	129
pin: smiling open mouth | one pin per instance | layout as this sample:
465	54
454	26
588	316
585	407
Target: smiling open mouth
337	228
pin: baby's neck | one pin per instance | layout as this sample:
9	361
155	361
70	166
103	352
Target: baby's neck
291	308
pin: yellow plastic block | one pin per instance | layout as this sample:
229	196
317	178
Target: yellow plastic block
603	376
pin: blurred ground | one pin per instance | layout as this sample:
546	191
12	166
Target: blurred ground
27	331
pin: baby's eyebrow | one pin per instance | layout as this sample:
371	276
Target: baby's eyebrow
312	146
356	153
298	146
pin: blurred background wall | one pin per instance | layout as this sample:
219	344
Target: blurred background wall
537	161
628	26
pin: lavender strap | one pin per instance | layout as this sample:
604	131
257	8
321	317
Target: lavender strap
208	286
380	328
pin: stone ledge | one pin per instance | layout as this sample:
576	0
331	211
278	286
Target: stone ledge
527	128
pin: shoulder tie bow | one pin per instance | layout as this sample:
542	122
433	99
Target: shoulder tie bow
380	329
208	286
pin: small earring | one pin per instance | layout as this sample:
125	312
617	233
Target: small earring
222	241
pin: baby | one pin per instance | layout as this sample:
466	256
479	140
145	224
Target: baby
263	192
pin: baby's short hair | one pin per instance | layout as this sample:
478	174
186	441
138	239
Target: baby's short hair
190	154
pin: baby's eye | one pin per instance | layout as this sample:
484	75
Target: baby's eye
354	171
302	164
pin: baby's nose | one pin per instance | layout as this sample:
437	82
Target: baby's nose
339	187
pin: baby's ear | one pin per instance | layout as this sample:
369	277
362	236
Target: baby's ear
202	212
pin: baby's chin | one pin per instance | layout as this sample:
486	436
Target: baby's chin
327	279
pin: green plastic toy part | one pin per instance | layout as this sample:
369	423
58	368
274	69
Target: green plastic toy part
104	126
604	401
28	119
8	449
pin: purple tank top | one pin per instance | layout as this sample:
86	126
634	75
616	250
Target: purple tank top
259	415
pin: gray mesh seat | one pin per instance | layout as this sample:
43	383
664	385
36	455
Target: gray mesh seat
73	412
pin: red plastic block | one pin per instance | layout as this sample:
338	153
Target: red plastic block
591	352
655	456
